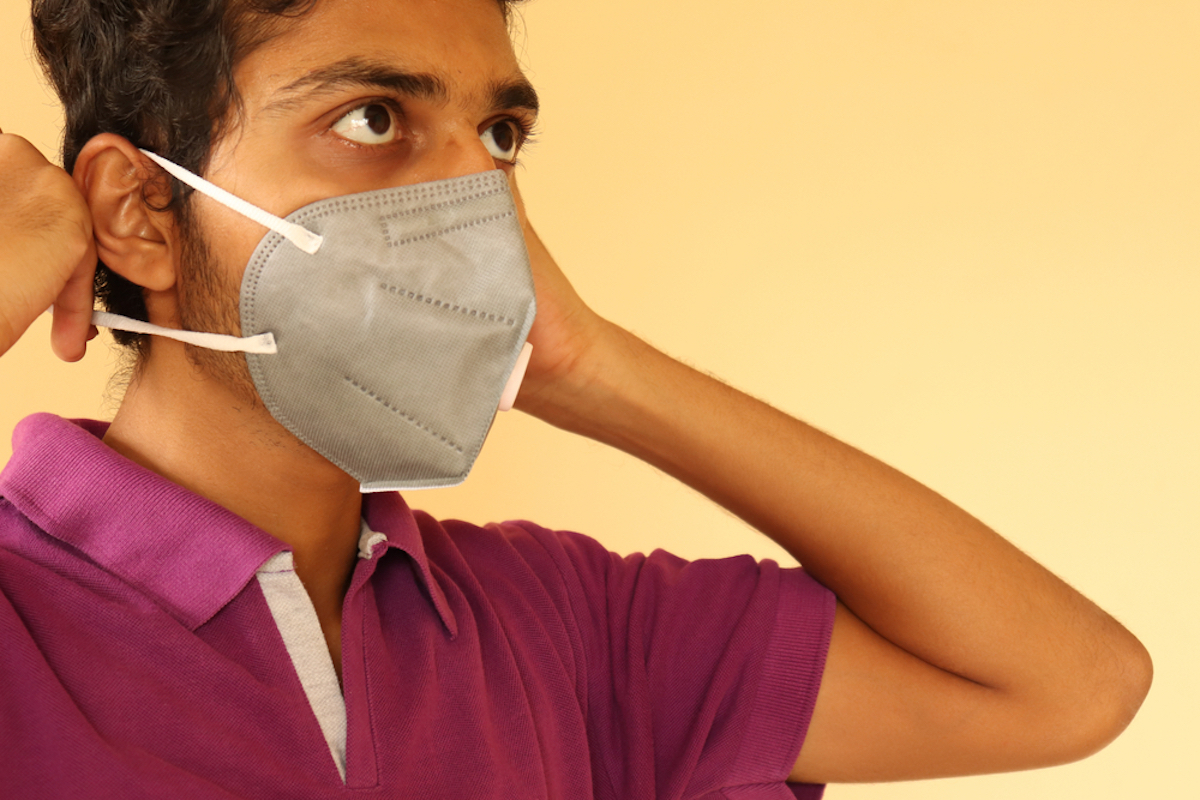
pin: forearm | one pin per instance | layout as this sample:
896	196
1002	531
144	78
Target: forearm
919	571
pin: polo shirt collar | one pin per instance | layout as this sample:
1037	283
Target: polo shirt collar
387	513
189	554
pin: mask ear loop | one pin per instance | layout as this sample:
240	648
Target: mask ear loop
509	395
298	235
262	344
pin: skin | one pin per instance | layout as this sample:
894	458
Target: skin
953	653
48	224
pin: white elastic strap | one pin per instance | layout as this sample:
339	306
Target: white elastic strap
509	396
298	235
263	343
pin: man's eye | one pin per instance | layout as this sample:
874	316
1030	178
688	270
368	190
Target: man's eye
502	139
372	123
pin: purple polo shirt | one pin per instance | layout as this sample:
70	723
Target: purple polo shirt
139	655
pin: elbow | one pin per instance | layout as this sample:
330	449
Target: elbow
1101	703
1133	673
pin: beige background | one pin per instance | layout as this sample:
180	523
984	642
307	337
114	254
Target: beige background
963	235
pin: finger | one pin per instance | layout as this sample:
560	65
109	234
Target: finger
72	327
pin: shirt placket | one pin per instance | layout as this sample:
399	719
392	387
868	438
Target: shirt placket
342	712
362	769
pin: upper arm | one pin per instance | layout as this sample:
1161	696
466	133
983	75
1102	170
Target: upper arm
883	714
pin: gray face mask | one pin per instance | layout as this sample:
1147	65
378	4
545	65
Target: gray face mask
384	329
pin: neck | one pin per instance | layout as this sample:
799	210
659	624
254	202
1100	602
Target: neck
199	433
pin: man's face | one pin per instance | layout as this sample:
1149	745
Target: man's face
354	96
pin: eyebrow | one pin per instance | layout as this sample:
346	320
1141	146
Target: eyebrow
515	93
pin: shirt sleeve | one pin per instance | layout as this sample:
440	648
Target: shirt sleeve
700	677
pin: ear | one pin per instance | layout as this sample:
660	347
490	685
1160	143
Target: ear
132	238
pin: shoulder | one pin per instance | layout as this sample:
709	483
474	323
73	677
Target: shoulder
580	576
518	563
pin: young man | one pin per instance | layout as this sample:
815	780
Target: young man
195	606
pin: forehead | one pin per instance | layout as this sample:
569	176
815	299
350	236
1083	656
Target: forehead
463	43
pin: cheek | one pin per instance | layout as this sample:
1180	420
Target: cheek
229	241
